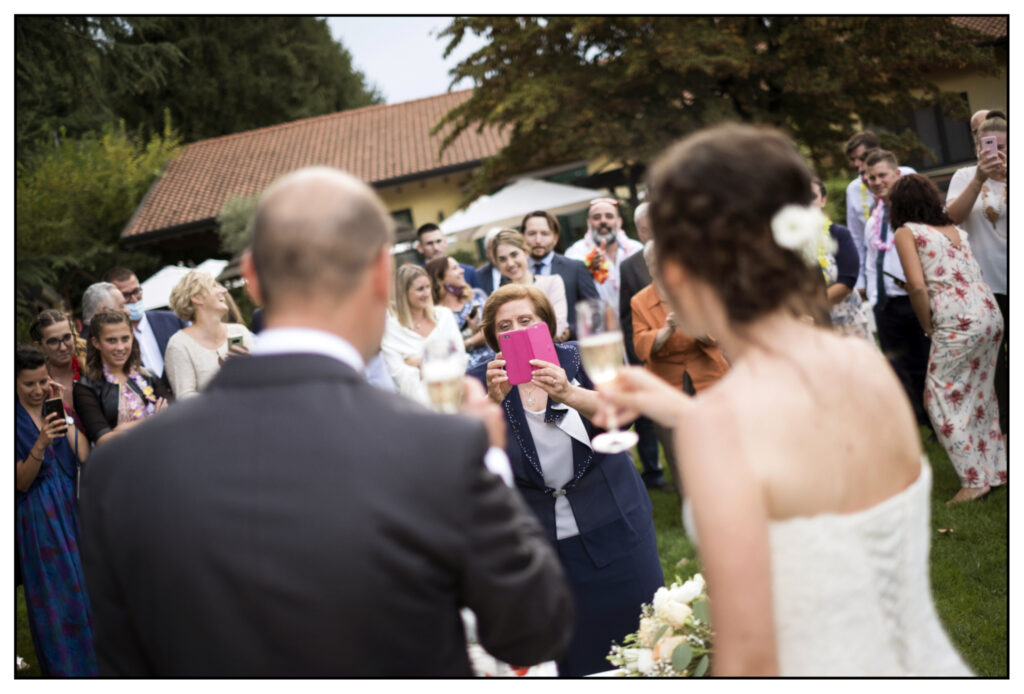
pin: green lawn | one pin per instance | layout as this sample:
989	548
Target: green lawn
970	572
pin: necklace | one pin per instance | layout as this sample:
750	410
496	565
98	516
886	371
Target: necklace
992	214
876	234
529	397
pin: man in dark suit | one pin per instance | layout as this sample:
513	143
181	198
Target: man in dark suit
293	520
634	276
489	276
152	329
541	230
431	243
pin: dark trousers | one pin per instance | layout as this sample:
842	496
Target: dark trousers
1002	383
906	347
647	446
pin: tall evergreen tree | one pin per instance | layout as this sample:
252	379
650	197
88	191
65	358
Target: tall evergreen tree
240	73
623	88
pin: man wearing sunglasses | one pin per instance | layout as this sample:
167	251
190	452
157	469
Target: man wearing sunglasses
152	329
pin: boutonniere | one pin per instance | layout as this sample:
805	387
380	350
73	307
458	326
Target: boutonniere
598	270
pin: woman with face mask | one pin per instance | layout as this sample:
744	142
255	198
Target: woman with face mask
116	392
47	454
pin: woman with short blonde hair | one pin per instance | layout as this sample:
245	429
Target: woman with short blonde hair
195	353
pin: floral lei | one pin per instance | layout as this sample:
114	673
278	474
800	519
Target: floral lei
876	234
77	369
599	271
138	408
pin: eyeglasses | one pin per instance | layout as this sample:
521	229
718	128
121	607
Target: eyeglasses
55	342
133	295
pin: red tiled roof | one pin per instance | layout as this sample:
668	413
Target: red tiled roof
996	27
375	143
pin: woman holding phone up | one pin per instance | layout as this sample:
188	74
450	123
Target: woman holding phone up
594	507
450	289
47	454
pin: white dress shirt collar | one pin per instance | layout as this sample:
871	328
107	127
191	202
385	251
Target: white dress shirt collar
149	348
308	341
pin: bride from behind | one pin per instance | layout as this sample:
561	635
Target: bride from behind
803	465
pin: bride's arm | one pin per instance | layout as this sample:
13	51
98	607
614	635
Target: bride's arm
729	509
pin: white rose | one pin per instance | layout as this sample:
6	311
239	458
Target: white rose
649	627
645	661
798	229
676	613
660	598
689	590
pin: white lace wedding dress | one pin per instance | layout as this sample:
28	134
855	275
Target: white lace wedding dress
852	595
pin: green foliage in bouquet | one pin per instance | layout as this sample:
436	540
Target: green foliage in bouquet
674	638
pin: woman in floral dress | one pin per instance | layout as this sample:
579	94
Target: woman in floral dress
957	310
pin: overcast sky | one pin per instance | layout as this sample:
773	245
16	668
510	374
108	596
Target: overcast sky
402	55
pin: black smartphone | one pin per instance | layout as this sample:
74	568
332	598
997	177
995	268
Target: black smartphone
53	406
472	314
236	341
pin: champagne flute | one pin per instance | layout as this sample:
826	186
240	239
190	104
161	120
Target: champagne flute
444	366
603	355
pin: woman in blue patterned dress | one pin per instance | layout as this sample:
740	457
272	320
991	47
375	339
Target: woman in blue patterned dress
48	453
450	289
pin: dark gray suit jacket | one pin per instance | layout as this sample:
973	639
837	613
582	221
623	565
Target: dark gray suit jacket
633	276
293	520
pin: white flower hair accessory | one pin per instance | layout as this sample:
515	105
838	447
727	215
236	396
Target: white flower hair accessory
799	229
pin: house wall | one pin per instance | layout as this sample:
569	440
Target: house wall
428	200
983	91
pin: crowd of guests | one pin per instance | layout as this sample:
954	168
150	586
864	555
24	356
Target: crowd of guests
927	274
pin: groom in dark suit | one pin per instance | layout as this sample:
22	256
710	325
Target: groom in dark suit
541	231
293	520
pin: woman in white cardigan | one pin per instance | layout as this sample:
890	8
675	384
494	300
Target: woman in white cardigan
414	321
194	354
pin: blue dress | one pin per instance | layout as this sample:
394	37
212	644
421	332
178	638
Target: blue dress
612	566
46	530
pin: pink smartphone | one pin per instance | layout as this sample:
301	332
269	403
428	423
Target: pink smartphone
518	347
988	144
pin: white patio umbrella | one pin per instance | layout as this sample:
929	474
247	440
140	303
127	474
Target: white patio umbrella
156	291
508	205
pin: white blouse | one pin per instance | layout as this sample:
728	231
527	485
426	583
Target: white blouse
987	237
554	450
400	342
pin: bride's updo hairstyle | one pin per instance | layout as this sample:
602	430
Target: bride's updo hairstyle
712	198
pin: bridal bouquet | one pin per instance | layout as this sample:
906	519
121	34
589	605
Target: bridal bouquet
674	638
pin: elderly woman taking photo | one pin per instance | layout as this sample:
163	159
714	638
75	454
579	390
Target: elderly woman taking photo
194	354
115	393
511	254
450	289
594	507
47	454
413	322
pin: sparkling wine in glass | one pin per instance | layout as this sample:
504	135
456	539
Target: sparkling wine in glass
603	355
444	366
